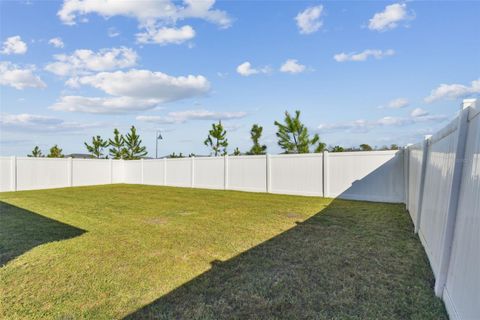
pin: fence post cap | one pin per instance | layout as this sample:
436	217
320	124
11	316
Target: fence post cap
468	102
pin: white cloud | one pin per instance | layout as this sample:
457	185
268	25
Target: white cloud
56	42
396	104
33	122
166	35
183	116
147	84
85	61
418	112
360	126
390	17
453	91
157	18
292	66
14	45
151	14
105	105
132	91
308	21
18	77
245	69
364	55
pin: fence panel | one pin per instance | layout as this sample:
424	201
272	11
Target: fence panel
247	173
209	172
462	291
369	175
5	174
132	171
416	154
117	171
42	173
153	171
179	172
436	194
300	174
87	172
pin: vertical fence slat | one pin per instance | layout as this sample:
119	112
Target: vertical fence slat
453	202
426	151
325	175
268	175
13	173
225	173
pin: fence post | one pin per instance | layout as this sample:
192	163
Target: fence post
225	172
70	171
193	171
13	173
451	218
406	173
164	171
268	174
326	183
426	151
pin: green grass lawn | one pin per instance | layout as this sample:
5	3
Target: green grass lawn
116	251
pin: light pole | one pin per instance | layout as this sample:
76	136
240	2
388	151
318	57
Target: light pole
158	136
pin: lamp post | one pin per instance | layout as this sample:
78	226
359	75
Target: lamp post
158	136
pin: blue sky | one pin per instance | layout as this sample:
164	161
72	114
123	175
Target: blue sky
361	72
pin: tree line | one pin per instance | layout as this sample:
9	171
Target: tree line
292	137
127	147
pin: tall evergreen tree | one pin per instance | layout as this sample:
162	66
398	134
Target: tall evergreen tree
36	153
293	135
133	145
217	139
255	134
97	146
117	144
55	152
321	146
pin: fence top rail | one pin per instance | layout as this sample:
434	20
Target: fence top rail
297	155
40	158
363	153
474	110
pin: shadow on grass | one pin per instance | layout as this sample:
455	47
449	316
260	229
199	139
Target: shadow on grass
22	230
354	260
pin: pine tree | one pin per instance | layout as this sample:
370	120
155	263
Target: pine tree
117	144
216	139
55	152
293	136
255	134
36	153
133	146
96	149
320	147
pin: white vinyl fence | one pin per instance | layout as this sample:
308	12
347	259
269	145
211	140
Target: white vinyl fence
372	176
443	198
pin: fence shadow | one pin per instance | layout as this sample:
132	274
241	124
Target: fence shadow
354	260
22	230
